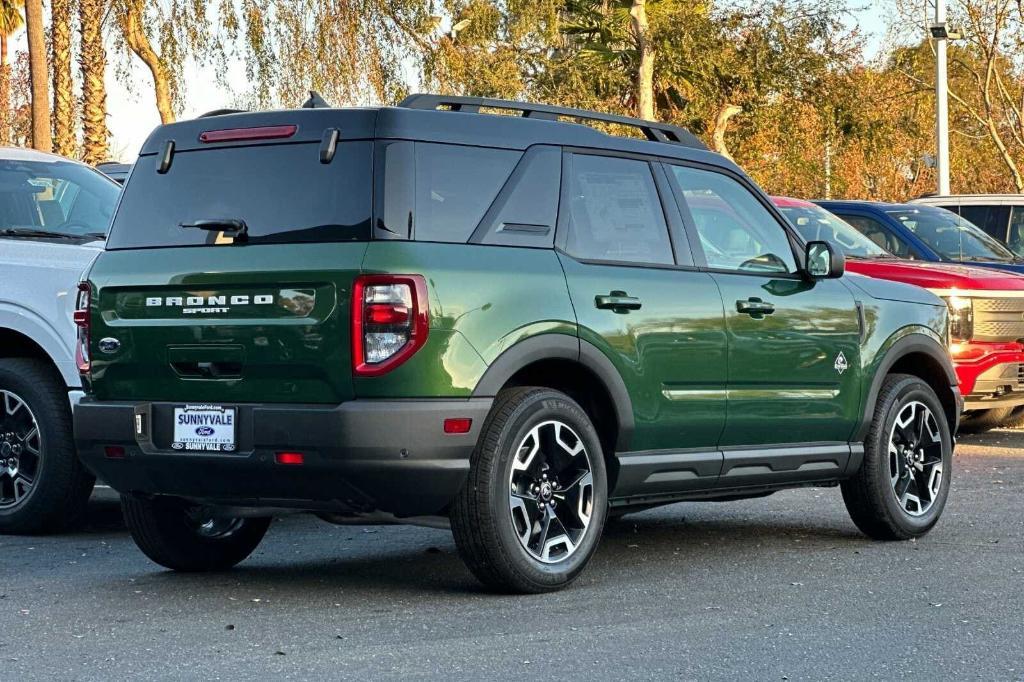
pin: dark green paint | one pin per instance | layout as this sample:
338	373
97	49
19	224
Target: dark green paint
680	355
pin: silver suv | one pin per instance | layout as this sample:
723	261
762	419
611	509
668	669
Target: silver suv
54	215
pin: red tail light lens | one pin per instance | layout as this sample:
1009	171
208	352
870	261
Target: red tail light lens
389	321
82	321
236	134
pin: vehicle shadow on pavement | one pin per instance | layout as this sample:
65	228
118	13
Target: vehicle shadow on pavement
427	562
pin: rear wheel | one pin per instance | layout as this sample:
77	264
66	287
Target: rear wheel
902	485
980	421
184	537
43	485
531	514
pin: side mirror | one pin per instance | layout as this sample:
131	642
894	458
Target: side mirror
823	261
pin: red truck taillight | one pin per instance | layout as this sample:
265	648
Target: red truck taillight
389	321
82	321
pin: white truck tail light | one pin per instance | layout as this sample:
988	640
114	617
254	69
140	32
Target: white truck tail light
82	321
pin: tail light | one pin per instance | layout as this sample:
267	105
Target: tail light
389	321
82	321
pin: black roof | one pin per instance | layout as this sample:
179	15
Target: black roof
458	123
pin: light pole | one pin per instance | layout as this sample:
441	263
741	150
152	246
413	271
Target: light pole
941	36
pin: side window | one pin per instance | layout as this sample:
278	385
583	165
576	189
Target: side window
525	211
455	185
1015	238
881	235
615	213
736	231
992	219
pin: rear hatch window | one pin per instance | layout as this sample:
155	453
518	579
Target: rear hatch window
282	193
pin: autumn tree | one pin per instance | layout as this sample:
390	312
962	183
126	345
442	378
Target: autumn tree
61	16
351	51
10	23
164	35
93	63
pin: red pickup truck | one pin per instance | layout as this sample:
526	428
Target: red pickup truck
986	314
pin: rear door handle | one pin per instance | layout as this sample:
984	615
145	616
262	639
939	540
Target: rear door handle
619	301
755	307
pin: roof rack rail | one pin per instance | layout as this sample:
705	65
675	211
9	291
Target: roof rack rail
652	130
221	112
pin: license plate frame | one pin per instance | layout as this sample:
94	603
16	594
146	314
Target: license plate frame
204	428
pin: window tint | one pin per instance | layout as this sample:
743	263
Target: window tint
881	235
57	196
736	231
281	191
992	219
524	213
615	213
1015	238
455	185
952	237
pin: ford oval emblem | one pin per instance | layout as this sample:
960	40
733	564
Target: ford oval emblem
204	431
109	345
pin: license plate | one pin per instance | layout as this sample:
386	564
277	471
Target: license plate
204	428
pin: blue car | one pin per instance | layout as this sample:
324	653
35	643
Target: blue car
925	233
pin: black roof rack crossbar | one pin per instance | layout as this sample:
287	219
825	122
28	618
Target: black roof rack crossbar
658	132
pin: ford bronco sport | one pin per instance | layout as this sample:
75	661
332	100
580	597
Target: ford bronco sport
510	324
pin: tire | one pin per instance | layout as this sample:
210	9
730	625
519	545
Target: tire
1016	418
166	530
493	530
980	421
873	496
34	398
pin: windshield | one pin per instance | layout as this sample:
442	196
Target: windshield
58	198
952	237
816	224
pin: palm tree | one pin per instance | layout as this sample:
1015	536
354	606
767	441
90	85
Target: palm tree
63	95
38	72
10	22
93	62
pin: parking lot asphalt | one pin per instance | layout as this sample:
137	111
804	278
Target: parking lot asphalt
781	588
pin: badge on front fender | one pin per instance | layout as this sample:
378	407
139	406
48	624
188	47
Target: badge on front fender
841	364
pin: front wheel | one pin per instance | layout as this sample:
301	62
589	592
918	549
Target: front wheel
902	485
43	485
184	537
531	513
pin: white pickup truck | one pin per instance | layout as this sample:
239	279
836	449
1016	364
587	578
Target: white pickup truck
54	215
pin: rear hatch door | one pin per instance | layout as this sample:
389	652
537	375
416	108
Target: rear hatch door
187	308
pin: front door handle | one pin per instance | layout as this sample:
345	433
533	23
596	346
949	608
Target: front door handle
619	301
755	307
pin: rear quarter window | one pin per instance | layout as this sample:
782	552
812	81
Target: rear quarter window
282	192
455	185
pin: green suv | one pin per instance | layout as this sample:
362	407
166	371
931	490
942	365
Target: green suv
513	325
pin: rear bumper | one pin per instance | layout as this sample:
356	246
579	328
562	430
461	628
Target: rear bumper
364	455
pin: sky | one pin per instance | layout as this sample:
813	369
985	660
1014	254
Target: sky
132	109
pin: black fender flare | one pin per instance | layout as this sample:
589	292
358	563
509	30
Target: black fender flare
563	347
913	343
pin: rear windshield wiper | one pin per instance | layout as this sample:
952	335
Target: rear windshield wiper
229	226
32	232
